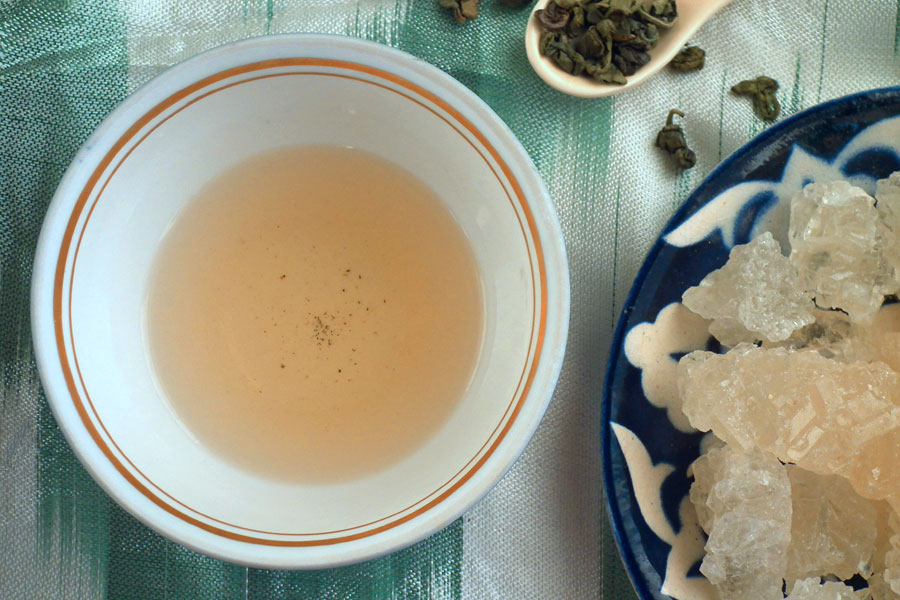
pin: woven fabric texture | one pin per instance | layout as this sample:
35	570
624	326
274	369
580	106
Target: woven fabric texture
543	531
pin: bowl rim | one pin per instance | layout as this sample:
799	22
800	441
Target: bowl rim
547	363
687	207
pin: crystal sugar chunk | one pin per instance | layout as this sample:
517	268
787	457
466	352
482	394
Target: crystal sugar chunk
812	589
833	529
744	504
756	296
835	236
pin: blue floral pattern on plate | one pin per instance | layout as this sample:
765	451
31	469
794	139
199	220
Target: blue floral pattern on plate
647	443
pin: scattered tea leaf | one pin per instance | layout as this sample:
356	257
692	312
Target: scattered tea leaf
762	91
607	40
463	10
671	139
691	58
516	3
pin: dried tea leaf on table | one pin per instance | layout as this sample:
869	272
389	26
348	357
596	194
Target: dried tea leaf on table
762	91
671	139
463	10
690	58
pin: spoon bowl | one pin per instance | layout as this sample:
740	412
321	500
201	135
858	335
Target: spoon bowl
691	15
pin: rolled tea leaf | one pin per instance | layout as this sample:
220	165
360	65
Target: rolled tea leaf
662	13
646	35
671	139
553	18
558	48
626	7
629	59
623	29
604	74
595	12
576	22
762	91
594	44
690	58
463	10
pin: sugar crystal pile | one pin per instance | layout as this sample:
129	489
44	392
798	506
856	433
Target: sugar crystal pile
800	498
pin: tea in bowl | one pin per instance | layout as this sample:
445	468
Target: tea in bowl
300	301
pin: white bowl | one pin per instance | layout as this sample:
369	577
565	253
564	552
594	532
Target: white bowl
139	169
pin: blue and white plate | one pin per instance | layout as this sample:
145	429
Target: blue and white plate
647	442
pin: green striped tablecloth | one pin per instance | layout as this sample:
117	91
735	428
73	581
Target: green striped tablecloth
542	533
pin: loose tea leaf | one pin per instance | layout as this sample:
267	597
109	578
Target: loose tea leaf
762	91
671	139
607	40
661	13
558	47
516	3
553	18
626	7
576	21
609	74
596	43
644	36
691	58
629	60
463	10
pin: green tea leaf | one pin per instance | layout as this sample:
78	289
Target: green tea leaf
671	139
690	58
762	91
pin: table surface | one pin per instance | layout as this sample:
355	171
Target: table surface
543	531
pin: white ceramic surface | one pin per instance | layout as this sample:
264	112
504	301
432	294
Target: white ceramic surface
139	169
691	15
